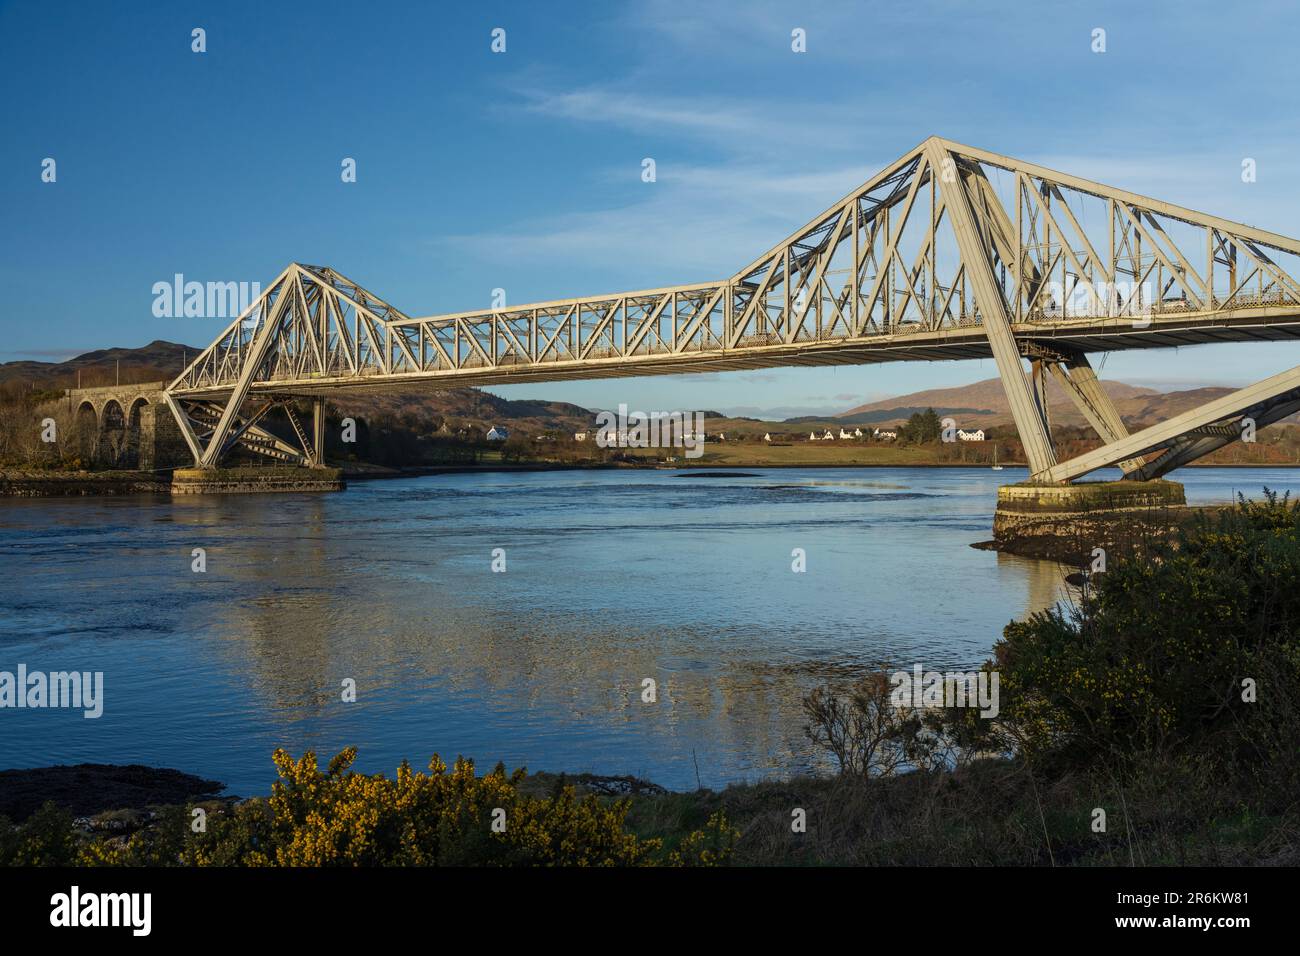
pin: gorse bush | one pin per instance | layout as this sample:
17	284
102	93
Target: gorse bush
338	817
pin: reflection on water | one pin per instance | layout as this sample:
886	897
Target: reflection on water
612	577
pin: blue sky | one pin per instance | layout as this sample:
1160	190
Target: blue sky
522	170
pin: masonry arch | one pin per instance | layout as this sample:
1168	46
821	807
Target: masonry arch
130	457
85	432
112	432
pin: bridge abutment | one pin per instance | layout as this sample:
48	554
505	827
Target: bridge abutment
216	481
1070	521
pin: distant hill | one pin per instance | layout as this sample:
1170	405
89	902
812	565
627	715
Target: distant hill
472	407
984	403
156	361
163	361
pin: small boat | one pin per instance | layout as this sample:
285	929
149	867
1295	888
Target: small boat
996	466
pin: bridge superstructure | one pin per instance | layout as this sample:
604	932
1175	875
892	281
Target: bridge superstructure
949	253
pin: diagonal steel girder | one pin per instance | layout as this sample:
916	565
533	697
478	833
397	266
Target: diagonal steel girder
257	351
1261	395
1191	448
246	430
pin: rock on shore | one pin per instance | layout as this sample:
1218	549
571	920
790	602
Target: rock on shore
90	788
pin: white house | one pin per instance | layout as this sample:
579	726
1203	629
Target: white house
857	433
977	435
828	436
812	436
884	434
497	433
767	436
844	434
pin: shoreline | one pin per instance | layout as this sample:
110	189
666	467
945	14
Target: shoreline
896	818
91	789
25	483
123	797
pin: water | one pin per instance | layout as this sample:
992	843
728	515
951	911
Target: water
611	577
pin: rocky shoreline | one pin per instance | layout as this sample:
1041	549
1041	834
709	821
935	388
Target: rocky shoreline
33	483
120	799
90	789
58	484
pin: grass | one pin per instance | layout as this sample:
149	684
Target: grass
985	814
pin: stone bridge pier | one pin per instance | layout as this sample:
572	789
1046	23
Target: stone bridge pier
125	426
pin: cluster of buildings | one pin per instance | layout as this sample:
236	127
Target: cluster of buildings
621	437
879	434
500	433
885	434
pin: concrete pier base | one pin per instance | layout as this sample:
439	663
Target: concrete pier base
211	481
1059	520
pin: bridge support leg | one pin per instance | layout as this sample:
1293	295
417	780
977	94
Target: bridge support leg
186	428
318	432
1038	376
1190	447
993	310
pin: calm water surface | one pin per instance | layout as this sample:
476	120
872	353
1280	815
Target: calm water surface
612	577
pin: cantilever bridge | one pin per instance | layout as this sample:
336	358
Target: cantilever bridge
949	253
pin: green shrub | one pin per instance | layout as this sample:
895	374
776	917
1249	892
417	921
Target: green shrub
46	838
1155	656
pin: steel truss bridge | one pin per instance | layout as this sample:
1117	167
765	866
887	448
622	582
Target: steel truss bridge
949	253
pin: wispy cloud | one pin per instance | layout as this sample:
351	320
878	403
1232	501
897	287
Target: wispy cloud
696	223
636	112
778	128
54	355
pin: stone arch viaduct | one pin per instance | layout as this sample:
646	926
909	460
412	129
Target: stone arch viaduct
126	426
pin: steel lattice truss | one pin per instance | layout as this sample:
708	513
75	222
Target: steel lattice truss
951	252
